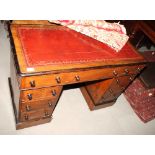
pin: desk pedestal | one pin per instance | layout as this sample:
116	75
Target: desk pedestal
104	93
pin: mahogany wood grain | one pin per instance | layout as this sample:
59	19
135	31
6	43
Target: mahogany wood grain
41	94
38	104
47	80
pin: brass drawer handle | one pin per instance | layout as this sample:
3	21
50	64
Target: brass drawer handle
50	104
28	108
77	78
46	114
119	84
122	88
126	71
117	81
130	78
29	96
26	117
138	70
111	91
54	92
115	73
58	80
32	83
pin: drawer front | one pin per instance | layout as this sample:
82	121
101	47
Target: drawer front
35	105
120	83
42	93
115	89
39	114
76	77
134	70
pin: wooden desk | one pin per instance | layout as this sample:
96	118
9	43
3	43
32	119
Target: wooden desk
46	57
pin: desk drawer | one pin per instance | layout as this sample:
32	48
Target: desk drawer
128	70
76	77
117	86
39	114
42	93
35	105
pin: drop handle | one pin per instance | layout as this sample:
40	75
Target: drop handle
77	78
46	114
117	81
50	104
58	80
122	88
26	117
32	83
115	73
138	69
29	96
54	92
126	71
28	108
110	90
131	78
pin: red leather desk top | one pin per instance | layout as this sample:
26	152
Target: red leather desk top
54	46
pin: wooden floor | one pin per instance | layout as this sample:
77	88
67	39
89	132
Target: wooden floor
72	115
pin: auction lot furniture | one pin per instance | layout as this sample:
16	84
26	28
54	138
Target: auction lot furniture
45	57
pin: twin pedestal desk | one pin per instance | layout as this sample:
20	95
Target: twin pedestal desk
45	57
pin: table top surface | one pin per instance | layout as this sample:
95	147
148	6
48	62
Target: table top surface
42	48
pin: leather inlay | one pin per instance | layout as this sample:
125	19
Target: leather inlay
54	46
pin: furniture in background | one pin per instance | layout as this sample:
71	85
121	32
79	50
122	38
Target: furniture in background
141	93
45	57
